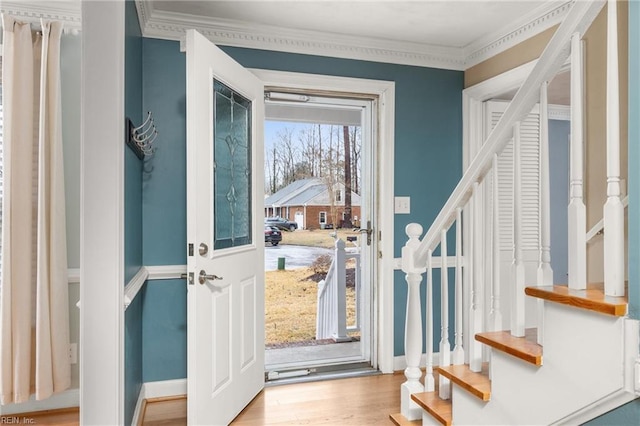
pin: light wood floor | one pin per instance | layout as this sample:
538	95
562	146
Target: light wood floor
356	401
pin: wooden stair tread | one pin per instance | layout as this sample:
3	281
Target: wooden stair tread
593	298
440	409
478	384
400	420
525	348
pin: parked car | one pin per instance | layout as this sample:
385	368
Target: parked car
272	235
281	223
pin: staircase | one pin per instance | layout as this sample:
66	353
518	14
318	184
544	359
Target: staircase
560	353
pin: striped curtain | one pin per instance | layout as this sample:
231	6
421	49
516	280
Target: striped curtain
34	312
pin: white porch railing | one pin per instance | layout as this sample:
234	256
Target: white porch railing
417	253
331	317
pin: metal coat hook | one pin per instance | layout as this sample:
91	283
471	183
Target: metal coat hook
141	138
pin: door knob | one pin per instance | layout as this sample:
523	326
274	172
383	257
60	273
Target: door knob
203	277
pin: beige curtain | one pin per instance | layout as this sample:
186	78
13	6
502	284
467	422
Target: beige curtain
34	312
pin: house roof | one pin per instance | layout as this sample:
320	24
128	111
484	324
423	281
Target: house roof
311	191
290	191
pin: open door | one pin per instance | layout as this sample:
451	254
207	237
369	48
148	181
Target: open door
225	302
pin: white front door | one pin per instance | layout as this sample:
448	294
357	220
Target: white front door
225	303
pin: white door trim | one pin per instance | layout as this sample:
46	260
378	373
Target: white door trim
102	215
382	358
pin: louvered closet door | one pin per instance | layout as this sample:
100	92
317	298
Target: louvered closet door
529	137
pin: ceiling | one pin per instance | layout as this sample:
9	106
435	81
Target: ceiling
448	34
451	34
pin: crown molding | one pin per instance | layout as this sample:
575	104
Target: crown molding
528	26
172	26
68	12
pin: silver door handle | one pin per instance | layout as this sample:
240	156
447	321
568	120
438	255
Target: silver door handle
203	277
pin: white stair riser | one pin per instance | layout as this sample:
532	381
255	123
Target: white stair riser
582	363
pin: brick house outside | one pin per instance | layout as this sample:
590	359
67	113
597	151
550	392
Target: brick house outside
307	202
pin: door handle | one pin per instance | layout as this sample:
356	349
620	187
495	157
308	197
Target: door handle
203	277
368	230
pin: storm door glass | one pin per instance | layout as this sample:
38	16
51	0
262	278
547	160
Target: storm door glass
232	168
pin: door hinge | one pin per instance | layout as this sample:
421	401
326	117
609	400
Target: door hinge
190	249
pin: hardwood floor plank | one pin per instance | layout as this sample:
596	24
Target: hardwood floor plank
351	402
62	417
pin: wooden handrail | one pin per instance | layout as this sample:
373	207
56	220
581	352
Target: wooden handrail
553	57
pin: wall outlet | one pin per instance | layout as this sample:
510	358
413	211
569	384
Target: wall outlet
402	205
73	353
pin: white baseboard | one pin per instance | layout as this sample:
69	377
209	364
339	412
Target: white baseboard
598	408
67	399
137	413
165	388
400	362
158	389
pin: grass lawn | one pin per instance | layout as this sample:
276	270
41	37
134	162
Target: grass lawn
317	237
290	306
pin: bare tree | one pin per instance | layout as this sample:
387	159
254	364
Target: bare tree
347	178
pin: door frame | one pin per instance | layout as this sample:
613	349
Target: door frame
473	123
382	354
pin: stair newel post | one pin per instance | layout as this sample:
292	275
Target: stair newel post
457	357
613	208
518	296
413	324
340	292
475	317
495	315
445	346
429	380
576	213
545	272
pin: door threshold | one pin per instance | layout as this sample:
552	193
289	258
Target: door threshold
322	373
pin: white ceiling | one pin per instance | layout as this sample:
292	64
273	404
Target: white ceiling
453	34
440	23
449	34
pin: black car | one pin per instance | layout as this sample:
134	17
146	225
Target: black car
272	235
281	223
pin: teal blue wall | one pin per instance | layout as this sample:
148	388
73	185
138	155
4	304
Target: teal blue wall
132	212
628	414
164	330
428	162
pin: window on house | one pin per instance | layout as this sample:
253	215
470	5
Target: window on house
338	196
322	217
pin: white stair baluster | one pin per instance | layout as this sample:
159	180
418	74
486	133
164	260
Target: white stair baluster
576	213
475	317
518	296
495	314
429	380
457	357
413	325
445	346
613	208
340	334
545	272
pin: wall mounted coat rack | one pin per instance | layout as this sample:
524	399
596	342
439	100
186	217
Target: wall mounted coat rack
141	138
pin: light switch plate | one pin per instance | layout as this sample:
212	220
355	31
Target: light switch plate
402	205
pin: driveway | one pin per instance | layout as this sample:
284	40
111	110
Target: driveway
295	256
